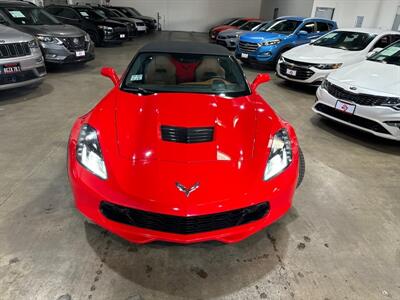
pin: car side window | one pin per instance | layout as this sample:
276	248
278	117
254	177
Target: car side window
394	38
322	27
308	27
68	13
382	42
330	27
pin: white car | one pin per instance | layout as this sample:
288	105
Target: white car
311	63
365	95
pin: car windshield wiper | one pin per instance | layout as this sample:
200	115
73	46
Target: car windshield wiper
139	90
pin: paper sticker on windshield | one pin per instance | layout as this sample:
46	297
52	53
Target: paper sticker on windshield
84	14
138	77
390	51
17	14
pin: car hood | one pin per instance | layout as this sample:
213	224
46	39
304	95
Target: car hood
317	54
373	76
258	37
11	35
55	30
233	126
231	32
145	18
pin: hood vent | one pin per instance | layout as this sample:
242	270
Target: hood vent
187	135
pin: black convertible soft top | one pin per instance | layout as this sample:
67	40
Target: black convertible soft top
185	48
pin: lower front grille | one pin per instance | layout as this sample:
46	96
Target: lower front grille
353	119
17	77
183	225
301	73
14	50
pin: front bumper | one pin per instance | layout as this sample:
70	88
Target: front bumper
32	72
260	57
60	54
370	119
311	76
90	191
230	43
116	36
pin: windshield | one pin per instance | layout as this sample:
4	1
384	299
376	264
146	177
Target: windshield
106	13
118	13
136	11
185	73
249	25
389	55
282	26
90	14
238	23
31	16
346	40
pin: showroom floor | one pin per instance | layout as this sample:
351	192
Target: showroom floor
341	239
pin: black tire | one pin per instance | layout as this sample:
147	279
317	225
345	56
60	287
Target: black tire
95	37
302	168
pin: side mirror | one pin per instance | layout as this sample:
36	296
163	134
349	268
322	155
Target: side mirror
302	33
261	78
374	51
110	73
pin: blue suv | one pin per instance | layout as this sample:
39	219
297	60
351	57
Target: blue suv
284	33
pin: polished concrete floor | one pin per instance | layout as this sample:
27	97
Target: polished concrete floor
341	239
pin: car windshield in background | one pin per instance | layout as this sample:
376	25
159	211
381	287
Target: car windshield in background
136	11
106	13
282	26
389	55
185	73
249	25
346	40
118	13
30	16
90	14
238	23
229	21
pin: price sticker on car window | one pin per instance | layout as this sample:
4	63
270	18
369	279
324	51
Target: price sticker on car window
137	77
17	14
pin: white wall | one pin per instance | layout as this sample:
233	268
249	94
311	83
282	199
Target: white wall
301	8
193	15
377	13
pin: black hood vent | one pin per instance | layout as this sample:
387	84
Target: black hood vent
187	135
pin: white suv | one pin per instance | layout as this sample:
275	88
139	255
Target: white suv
21	61
311	63
365	95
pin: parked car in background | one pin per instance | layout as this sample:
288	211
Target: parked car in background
130	12
311	63
100	29
230	37
60	43
136	25
213	33
365	95
21	61
266	46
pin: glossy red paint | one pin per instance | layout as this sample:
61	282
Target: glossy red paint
217	29
143	169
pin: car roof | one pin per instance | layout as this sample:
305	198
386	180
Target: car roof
297	18
185	48
16	4
369	30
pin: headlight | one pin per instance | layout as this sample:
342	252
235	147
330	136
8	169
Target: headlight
87	37
280	156
48	39
106	28
328	66
270	43
88	152
33	44
325	84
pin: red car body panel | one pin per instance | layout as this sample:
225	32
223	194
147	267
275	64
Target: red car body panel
143	169
217	29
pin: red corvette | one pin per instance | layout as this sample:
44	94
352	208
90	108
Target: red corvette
184	150
213	33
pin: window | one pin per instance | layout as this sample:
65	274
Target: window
383	42
322	27
249	25
190	73
309	27
68	13
390	55
346	40
282	26
89	14
238	23
30	16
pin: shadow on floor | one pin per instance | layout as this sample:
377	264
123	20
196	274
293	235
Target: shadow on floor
201	270
25	93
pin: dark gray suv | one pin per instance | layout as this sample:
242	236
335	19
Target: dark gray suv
60	43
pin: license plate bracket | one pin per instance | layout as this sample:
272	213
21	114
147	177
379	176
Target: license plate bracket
345	107
9	69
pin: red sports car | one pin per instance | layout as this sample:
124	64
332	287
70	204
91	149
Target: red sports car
184	150
213	33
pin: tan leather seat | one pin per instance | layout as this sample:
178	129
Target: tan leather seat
160	71
208	69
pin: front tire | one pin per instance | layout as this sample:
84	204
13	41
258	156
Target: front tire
302	168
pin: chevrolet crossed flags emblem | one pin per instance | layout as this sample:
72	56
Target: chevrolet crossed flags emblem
187	191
